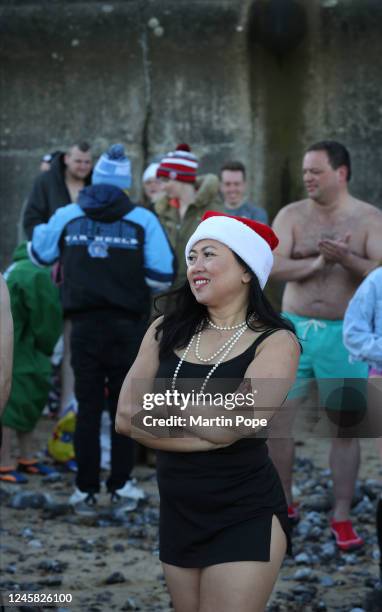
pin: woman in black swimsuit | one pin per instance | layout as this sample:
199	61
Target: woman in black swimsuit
223	526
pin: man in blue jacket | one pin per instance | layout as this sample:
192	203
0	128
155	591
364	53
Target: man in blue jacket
114	254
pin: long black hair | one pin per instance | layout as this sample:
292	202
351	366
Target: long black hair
183	315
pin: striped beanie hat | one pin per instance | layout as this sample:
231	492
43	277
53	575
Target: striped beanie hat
113	168
179	165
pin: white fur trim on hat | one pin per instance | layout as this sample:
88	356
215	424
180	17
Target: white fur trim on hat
150	172
241	239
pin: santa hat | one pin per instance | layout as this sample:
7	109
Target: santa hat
179	165
251	240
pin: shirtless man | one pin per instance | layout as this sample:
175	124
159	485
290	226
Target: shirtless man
328	243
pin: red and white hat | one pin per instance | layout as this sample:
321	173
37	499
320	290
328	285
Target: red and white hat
179	165
251	240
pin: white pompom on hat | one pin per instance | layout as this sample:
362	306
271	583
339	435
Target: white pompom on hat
150	172
251	240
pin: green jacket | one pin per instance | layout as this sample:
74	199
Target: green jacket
179	231
37	319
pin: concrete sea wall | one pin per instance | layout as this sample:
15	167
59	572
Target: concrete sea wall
257	80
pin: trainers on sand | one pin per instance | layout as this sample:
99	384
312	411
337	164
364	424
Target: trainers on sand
83	503
120	505
293	514
131	491
346	537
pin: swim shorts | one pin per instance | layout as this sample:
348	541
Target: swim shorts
341	382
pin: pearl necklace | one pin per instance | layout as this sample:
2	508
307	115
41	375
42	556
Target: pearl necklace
233	341
219	350
227	327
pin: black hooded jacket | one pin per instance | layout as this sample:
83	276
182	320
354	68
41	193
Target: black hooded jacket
49	192
112	252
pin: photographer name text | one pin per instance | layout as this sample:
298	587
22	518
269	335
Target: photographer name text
202	421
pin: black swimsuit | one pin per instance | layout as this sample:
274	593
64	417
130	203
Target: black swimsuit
217	506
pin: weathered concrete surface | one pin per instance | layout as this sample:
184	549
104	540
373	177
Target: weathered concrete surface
254	79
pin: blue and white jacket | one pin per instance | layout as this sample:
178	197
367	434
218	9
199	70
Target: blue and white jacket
363	321
112	251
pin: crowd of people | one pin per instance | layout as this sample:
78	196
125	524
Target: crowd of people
92	269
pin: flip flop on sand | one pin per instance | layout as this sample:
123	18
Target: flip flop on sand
32	466
9	474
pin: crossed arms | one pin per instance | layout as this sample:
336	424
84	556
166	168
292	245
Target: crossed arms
277	359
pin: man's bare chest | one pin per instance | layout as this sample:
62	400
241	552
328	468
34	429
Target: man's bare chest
310	232
74	189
